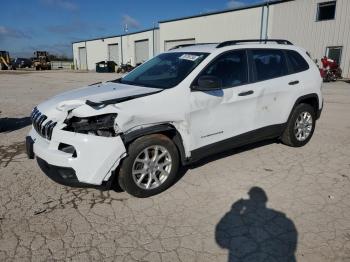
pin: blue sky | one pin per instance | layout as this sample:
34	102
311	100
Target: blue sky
26	26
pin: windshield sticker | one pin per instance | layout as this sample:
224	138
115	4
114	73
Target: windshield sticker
189	57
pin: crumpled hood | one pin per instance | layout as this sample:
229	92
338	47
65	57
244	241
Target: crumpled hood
63	102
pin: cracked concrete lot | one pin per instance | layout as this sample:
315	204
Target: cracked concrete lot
266	202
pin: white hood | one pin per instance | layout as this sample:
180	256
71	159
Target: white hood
96	93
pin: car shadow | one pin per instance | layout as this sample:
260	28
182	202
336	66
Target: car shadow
11	124
183	169
251	231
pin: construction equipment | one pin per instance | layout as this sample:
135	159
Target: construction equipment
5	61
41	60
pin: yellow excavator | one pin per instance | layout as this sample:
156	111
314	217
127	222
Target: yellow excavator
5	60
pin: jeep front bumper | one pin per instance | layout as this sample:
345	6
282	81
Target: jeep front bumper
92	163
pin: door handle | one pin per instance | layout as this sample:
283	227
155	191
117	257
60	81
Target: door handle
293	83
250	92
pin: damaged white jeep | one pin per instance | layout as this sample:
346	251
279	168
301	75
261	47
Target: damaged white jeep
178	107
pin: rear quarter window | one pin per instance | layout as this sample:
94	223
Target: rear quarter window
297	62
269	63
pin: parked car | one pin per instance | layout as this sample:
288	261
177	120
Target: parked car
174	109
21	63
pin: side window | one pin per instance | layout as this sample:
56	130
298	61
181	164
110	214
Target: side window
231	68
334	53
269	63
297	62
326	11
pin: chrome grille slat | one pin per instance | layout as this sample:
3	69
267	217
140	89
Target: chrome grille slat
42	125
46	127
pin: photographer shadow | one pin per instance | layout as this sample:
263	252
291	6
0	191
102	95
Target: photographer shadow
252	232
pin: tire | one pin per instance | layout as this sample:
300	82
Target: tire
132	168
290	135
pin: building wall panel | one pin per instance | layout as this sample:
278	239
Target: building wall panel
129	45
213	28
296	21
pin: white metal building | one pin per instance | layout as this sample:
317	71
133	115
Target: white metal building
320	26
131	48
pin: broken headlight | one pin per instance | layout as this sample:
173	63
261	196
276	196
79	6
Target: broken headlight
102	125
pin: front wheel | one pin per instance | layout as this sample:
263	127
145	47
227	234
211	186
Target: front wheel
150	167
300	126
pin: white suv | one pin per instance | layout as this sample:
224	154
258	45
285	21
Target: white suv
178	107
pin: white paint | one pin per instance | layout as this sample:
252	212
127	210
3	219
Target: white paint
96	156
201	118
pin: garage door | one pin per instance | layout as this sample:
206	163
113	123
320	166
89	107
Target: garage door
82	58
172	43
141	51
113	53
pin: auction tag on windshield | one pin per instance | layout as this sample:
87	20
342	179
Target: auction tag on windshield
189	57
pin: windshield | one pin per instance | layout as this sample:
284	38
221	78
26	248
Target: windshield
165	70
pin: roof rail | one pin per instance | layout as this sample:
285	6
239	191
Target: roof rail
261	41
186	45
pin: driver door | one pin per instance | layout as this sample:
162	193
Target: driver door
219	115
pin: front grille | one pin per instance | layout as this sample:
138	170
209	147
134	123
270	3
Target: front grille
41	124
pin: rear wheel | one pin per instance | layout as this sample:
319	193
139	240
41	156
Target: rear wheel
300	127
150	167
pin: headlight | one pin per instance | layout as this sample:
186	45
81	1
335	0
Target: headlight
102	125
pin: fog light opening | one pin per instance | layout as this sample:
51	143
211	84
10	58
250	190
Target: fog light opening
67	149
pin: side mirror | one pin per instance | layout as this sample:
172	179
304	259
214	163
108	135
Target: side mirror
208	83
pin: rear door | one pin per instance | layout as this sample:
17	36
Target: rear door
222	114
276	88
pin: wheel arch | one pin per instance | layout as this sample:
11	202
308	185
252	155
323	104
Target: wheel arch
166	129
310	99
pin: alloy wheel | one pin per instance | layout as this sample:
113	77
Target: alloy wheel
303	126
151	167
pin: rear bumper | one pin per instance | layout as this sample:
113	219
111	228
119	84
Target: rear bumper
91	164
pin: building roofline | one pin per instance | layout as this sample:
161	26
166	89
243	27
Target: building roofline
273	2
226	10
112	36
